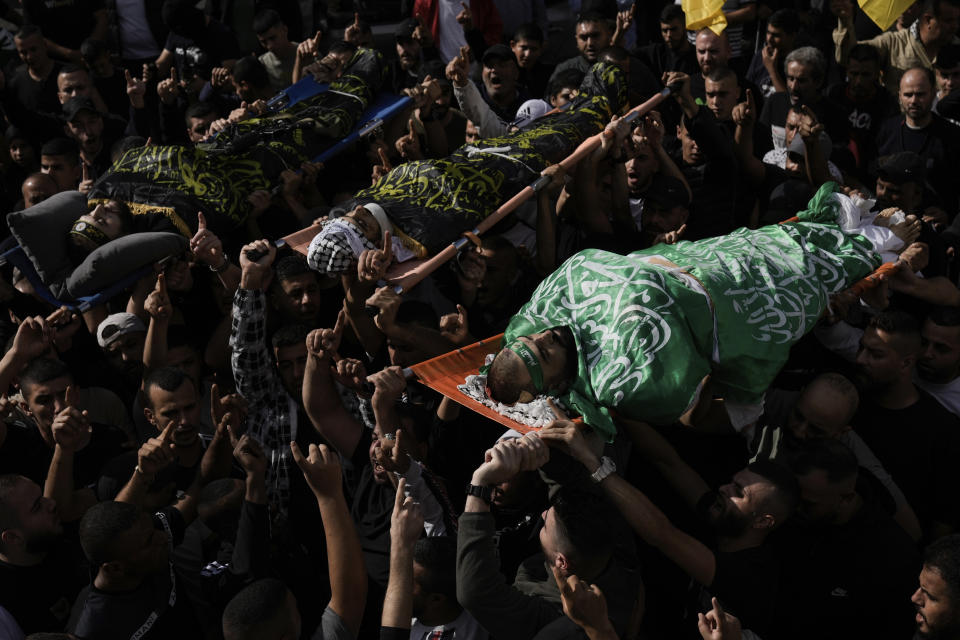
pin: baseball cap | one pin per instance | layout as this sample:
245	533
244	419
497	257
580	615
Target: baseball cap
405	29
530	111
905	166
497	52
667	191
116	326
75	105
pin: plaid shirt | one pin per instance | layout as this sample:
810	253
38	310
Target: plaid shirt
272	412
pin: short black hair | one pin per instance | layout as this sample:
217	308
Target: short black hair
249	614
266	20
722	73
672	12
200	109
785	19
72	67
567	78
290	335
250	70
528	31
101	525
289	267
65	147
864	53
91	49
42	370
943	556
615	54
438	556
825	454
586	521
167	378
896	322
786	493
342	47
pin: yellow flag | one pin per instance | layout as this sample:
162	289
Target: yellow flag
884	12
707	13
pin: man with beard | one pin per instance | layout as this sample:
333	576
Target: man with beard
172	399
914	437
87	126
674	53
122	336
938	598
938	369
924	132
865	102
737	566
845	563
40	573
805	70
822	411
412	52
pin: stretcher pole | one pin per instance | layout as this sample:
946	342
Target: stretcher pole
415	276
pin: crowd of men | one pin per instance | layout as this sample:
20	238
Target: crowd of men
231	449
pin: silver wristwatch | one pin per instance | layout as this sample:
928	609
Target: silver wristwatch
607	466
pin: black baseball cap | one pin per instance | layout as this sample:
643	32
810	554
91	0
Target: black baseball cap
667	191
75	105
497	52
902	167
405	29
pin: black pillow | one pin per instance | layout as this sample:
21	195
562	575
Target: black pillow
121	257
42	232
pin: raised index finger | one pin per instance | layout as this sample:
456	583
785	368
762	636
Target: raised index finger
201	221
341	321
387	247
166	436
383	158
162	285
401	494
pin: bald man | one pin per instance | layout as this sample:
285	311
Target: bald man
37	188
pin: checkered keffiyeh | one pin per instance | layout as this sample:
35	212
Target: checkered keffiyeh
336	247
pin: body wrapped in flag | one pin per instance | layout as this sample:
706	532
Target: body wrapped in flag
649	327
217	176
430	203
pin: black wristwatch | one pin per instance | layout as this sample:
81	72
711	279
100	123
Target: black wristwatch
485	493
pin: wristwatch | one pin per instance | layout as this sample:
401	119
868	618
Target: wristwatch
607	466
485	493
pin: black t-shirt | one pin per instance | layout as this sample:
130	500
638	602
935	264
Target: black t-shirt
66	22
864	120
40	597
919	446
30	94
938	144
155	609
372	508
660	58
25	452
851	581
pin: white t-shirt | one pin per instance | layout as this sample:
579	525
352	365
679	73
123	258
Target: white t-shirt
463	628
450	34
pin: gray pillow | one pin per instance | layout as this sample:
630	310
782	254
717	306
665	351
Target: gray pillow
121	257
42	232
